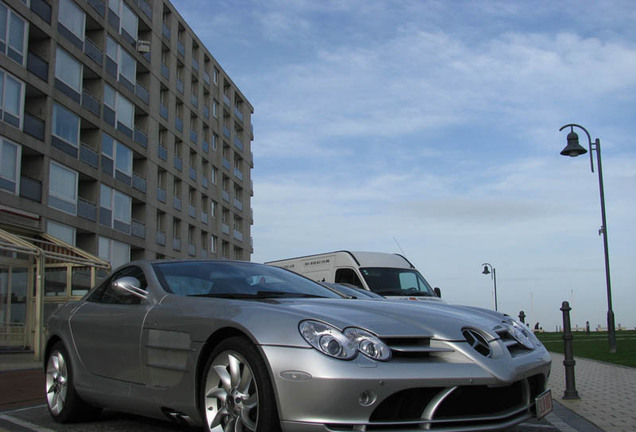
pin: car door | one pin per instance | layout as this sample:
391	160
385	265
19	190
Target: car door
107	329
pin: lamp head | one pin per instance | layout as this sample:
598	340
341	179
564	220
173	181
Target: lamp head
573	148
486	271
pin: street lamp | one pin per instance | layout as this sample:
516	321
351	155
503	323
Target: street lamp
574	149
489	269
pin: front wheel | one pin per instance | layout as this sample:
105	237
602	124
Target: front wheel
237	394
63	402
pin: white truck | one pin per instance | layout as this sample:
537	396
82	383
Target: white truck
389	275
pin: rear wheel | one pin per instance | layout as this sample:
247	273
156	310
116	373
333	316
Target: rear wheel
63	402
237	394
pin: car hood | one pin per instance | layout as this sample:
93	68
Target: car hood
394	318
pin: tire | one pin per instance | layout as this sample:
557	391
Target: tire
236	388
62	400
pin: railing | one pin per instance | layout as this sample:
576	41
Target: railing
238	143
160	238
42	9
142	92
93	51
141	137
33	126
91	103
163	111
165	71
31	188
86	209
88	155
139	182
138	229
162	152
145	8
98	5
165	30
37	66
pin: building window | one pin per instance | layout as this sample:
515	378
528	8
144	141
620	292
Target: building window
12	34
124	64
117	253
119	206
72	17
66	125
62	188
68	70
9	166
11	99
128	21
119	159
63	232
124	110
213	242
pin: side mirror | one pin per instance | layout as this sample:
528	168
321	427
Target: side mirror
438	292
130	285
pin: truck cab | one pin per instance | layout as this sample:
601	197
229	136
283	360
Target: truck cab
389	275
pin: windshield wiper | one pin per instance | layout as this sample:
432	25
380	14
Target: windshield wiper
257	295
268	294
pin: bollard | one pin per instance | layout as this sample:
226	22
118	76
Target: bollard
568	362
522	317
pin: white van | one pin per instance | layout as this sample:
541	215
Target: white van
390	275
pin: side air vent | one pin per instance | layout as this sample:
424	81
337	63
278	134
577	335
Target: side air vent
477	341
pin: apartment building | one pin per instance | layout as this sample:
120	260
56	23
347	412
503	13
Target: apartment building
121	138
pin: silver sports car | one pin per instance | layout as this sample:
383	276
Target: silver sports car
238	346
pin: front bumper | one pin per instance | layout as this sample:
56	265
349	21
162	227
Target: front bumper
326	394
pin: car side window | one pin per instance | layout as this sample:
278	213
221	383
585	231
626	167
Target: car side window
348	276
106	293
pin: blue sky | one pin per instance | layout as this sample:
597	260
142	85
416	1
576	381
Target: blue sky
432	128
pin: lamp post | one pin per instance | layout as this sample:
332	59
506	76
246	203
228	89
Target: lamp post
574	149
489	269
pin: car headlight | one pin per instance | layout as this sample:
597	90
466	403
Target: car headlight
343	345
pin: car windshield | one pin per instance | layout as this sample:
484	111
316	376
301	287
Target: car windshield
396	282
238	280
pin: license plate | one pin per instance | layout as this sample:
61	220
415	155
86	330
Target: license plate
544	404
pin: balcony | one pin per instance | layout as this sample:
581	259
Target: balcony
41	9
139	183
163	111
162	152
165	71
87	209
181	48
138	229
89	156
31	188
193	136
180	85
226	100
192	250
142	92
99	6
238	204
226	164
141	137
195	65
192	173
33	126
206	146
238	143
238	114
178	124
38	66
91	103
238	235
177	203
176	243
204	218
165	30
192	211
93	52
145	7
225	228
178	163
161	195
226	131
238	174
226	196
160	238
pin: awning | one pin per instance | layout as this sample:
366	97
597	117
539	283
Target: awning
51	248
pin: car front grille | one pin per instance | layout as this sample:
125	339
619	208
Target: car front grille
413	347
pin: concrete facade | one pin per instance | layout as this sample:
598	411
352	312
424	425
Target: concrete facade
122	136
